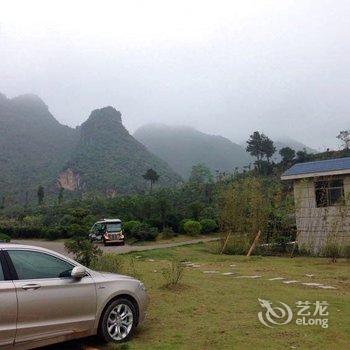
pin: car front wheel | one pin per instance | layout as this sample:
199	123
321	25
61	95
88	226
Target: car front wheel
118	321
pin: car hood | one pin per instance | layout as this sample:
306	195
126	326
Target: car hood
111	276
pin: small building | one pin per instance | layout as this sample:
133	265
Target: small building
322	201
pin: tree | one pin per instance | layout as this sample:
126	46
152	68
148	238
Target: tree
344	136
85	252
195	209
268	147
287	154
303	156
254	146
41	195
151	176
260	146
200	174
244	208
26	200
60	195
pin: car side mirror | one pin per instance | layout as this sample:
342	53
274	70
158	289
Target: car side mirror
78	272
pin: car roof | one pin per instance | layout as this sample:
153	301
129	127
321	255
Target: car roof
109	220
12	245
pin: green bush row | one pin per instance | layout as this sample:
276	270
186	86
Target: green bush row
134	229
51	233
193	227
4	238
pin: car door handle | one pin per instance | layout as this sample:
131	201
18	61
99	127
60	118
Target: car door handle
31	286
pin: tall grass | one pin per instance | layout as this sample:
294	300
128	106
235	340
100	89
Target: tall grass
116	263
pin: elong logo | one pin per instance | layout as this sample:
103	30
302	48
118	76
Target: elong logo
281	315
274	315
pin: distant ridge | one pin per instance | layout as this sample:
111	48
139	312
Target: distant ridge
35	149
182	147
108	159
33	146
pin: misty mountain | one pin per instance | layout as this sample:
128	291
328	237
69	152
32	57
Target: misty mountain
100	155
294	144
33	145
108	159
182	147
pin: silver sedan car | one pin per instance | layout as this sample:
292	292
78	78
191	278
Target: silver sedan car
47	298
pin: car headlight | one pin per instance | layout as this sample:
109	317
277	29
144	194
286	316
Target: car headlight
142	286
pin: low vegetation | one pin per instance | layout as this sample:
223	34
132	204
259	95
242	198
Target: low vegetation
108	262
173	273
4	238
222	311
331	250
84	251
237	204
144	215
192	227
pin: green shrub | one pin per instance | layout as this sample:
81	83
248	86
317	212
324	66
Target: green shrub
116	263
173	273
67	220
237	245
182	225
84	251
4	238
144	232
346	251
279	245
108	262
128	226
304	250
168	232
331	250
18	230
192	227
51	234
208	225
77	230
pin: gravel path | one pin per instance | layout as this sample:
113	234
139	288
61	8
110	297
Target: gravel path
58	246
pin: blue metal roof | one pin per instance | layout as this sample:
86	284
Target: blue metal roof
319	166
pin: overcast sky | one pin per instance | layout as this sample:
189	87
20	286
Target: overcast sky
224	67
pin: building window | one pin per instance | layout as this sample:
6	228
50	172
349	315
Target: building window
329	192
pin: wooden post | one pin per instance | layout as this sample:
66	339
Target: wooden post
254	243
225	243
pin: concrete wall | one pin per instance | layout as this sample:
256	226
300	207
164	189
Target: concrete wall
316	225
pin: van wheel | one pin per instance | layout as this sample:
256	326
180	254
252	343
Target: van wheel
118	321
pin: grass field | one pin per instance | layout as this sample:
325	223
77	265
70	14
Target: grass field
175	239
214	311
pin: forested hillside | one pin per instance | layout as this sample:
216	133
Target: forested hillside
109	160
182	147
99	156
33	146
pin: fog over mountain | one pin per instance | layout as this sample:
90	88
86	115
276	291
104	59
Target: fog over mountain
182	147
226	68
100	156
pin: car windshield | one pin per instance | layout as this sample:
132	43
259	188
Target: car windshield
114	227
